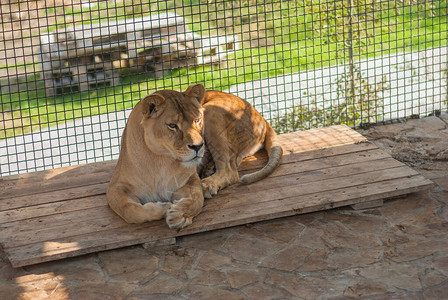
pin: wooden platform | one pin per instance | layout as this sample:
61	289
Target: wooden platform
62	212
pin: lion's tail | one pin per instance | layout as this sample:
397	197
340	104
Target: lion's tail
275	153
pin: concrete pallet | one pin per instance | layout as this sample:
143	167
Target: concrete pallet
155	43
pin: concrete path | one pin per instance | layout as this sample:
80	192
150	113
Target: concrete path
398	251
415	85
84	140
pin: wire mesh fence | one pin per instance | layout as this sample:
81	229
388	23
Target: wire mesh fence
71	71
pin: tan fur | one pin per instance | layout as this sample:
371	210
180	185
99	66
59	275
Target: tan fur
234	130
156	176
162	146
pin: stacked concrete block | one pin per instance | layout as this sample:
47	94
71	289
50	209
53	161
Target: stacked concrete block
86	56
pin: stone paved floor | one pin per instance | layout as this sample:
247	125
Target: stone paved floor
398	251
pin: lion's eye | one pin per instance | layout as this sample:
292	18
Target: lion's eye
198	121
173	126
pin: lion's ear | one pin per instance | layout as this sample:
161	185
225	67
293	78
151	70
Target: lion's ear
153	105
197	91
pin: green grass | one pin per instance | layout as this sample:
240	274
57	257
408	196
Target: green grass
296	41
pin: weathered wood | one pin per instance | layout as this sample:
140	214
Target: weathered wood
63	212
79	245
302	204
247	197
284	178
293	164
273	188
43	228
56	179
55	207
52	196
137	234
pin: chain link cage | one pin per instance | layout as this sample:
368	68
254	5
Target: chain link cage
71	71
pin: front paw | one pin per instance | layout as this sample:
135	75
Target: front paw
209	187
176	219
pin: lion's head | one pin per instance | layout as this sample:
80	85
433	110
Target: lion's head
173	124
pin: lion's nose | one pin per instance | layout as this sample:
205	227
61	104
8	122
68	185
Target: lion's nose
196	147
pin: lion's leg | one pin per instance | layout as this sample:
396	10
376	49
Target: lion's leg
222	178
226	164
187	203
129	208
207	166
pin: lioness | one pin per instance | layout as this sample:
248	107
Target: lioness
163	145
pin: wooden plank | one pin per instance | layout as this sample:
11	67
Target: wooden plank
64	222
26	202
136	234
57	192
259	160
301	165
254	197
311	202
316	169
56	179
63	219
78	245
57	226
106	220
52	196
339	172
48	209
53	174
